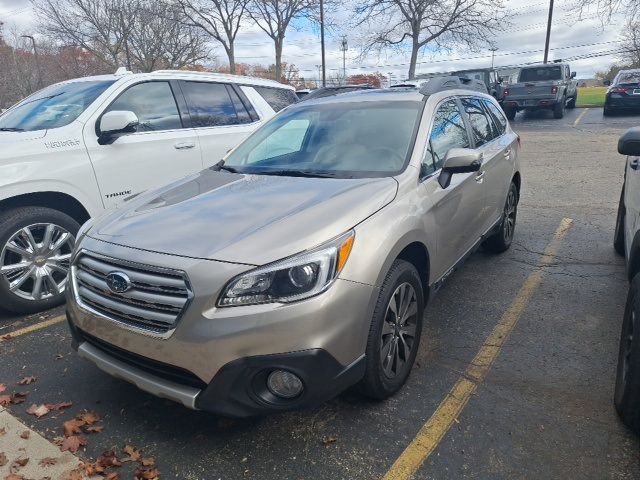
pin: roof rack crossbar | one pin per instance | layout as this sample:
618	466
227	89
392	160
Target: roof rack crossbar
438	84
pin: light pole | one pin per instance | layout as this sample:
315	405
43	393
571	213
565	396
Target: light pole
493	55
344	47
324	71
35	56
546	45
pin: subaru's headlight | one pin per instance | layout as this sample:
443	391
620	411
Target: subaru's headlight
295	278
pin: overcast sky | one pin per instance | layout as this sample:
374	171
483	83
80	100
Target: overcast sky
527	34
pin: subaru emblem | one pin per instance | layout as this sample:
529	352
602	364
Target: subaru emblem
118	282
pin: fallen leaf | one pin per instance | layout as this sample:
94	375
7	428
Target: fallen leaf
3	459
38	410
75	475
329	440
89	417
3	387
18	397
71	427
27	380
113	476
132	452
94	429
58	406
25	434
7	337
148	462
2	431
14	476
5	400
73	443
108	459
146	474
18	464
48	462
92	469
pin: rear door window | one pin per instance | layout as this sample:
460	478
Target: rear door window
481	127
153	103
209	104
277	98
499	119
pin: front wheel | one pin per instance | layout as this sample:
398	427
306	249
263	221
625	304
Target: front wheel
627	392
394	335
501	240
35	251
573	101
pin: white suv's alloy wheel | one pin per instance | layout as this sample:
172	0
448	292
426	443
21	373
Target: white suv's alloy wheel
35	261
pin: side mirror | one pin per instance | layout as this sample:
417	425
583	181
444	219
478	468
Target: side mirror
629	143
459	160
574	74
115	124
607	83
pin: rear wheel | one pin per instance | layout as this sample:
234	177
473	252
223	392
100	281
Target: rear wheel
395	332
35	251
572	101
559	108
618	238
510	112
607	112
501	240
627	392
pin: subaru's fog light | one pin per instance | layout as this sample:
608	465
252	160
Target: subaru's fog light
284	384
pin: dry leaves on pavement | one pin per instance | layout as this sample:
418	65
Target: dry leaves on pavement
133	454
73	443
3	459
27	380
146	474
38	410
25	435
48	462
13	399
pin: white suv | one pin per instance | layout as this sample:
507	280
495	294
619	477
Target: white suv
85	145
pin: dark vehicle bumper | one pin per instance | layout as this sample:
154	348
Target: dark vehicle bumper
238	389
623	103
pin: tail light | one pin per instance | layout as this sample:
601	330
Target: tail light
618	90
554	89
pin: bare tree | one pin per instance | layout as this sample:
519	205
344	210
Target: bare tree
606	9
631	44
418	23
220	19
274	18
142	34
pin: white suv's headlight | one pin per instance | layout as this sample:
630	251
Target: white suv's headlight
295	278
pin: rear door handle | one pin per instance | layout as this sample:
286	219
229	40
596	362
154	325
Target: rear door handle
507	154
184	145
480	177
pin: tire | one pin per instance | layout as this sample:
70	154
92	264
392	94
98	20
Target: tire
38	277
501	240
510	113
627	391
559	108
572	102
618	237
607	112
381	380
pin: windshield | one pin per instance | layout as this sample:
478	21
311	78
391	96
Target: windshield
540	74
53	107
342	140
628	78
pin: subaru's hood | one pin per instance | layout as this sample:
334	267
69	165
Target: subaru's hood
251	219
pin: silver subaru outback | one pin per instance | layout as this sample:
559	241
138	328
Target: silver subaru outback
301	264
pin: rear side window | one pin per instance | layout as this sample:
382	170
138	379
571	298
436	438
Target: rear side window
153	103
209	104
480	123
448	132
498	117
277	98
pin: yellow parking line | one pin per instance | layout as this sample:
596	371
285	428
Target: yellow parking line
33	328
580	117
447	412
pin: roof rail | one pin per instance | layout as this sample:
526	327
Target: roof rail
437	84
122	71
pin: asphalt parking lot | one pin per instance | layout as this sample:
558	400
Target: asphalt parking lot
539	407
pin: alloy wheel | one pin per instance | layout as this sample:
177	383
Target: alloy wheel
399	330
627	346
35	261
510	211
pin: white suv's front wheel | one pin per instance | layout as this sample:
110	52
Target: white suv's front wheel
35	252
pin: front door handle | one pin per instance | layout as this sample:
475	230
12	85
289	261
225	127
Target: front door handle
184	145
635	164
480	177
507	154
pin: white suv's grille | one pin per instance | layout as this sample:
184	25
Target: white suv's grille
153	301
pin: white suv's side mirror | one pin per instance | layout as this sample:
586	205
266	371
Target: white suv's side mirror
459	160
115	124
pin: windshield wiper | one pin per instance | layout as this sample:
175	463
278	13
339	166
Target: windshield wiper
221	166
11	129
297	173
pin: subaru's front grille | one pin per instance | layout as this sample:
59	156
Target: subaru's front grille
151	299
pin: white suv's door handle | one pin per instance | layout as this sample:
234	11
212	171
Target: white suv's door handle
480	177
507	154
184	145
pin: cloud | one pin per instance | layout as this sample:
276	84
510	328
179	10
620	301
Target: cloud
302	44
